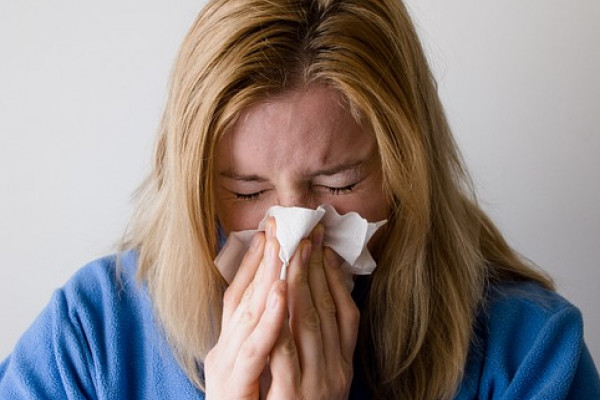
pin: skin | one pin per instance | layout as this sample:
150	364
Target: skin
292	339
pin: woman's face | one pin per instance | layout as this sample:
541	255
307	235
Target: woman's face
302	148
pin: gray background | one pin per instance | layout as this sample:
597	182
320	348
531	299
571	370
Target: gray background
82	86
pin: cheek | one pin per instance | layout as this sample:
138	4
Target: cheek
239	217
377	209
375	206
369	204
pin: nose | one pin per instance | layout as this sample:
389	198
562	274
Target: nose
295	198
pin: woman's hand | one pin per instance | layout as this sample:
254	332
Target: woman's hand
254	311
312	358
305	356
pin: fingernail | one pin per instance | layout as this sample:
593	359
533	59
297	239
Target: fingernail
270	229
306	252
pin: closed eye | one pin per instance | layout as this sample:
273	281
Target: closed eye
248	196
335	191
341	190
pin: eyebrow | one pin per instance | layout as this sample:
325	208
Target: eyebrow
239	177
321	172
336	169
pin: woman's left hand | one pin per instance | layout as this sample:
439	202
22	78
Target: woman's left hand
312	358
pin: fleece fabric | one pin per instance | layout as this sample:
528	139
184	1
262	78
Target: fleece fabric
98	339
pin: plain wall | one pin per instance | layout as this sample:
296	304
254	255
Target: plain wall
82	85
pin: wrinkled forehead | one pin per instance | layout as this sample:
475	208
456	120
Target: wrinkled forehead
318	106
312	126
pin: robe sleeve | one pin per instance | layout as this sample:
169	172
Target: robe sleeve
51	360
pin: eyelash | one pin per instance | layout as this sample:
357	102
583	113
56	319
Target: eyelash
248	197
335	191
341	190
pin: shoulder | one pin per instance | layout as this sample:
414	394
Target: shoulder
107	286
101	308
97	337
528	343
104	291
526	309
110	273
108	308
528	295
516	318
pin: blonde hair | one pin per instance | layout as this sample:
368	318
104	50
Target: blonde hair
440	250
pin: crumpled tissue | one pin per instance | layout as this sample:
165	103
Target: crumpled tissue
347	235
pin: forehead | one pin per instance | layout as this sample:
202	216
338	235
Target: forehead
313	125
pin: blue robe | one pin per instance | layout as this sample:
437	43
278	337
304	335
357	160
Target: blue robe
98	339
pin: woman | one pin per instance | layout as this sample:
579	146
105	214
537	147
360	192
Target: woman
301	103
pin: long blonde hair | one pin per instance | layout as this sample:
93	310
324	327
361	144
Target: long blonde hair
440	249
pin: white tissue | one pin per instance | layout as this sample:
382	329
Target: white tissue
348	235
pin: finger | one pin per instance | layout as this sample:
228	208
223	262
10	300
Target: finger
304	319
251	306
284	365
266	276
269	265
270	268
322	298
244	276
256	347
347	313
250	269
270	227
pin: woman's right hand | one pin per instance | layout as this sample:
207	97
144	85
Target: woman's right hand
254	311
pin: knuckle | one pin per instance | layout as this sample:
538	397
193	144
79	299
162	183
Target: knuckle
289	347
299	278
248	317
249	349
327	304
316	259
248	292
311	320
